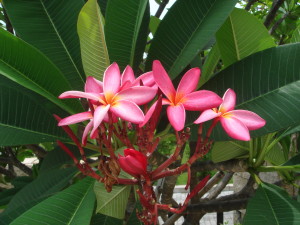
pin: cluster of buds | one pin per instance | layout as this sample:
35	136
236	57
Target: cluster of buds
121	114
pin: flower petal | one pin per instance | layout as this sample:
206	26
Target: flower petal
163	81
201	100
228	103
111	80
76	118
99	115
235	128
93	86
148	114
146	78
189	81
176	115
127	75
86	132
139	95
79	94
128	111
140	157
129	166
250	119
207	115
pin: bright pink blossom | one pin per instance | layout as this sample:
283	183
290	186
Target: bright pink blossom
236	123
107	97
185	97
128	80
133	162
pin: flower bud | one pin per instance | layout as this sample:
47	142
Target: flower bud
133	162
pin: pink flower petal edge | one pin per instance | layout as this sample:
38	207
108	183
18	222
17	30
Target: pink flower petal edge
176	115
251	120
207	115
76	118
189	81
235	128
229	100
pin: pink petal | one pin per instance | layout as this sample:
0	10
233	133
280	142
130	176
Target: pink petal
79	94
140	157
189	81
176	115
229	99
93	86
127	75
207	115
128	111
111	80
139	95
86	131
148	114
163	81
76	118
99	115
201	100
235	128
146	78
251	120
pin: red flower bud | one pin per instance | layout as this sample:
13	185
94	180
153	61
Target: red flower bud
133	162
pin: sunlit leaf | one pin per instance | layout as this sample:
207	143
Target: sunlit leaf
90	27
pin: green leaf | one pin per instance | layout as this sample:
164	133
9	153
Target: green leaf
296	35
154	23
241	35
210	64
72	206
105	220
114	203
27	66
123	24
293	161
276	155
25	117
35	192
267	83
51	27
185	30
226	150
57	158
271	205
90	27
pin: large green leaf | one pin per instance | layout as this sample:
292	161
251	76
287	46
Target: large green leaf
267	83
241	35
210	64
58	158
114	203
105	220
271	205
51	27
185	30
90	27
35	192
27	66
226	150
26	117
72	206
123	23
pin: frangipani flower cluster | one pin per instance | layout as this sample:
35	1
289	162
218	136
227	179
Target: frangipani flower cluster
121	100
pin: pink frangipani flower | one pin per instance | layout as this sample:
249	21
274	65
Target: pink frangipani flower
184	98
236	123
107	97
